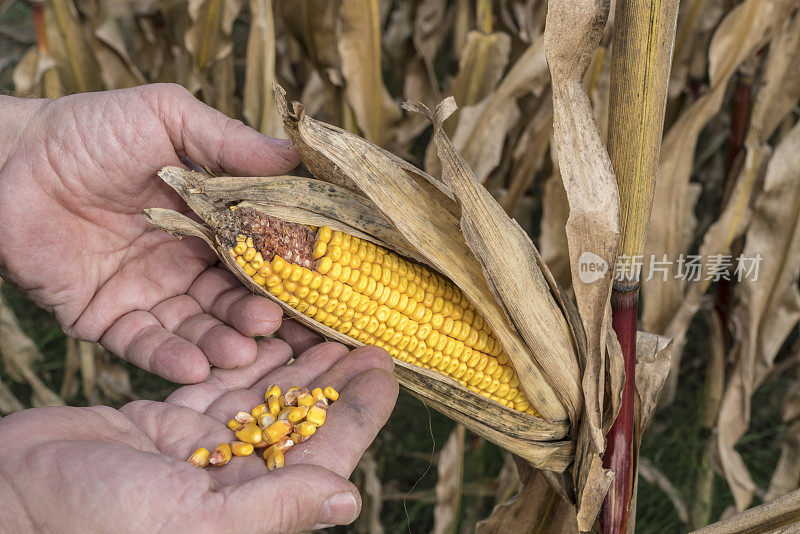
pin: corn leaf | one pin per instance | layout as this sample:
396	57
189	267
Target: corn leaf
360	51
449	485
768	307
209	37
572	33
482	128
480	68
257	109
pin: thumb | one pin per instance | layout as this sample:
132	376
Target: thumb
293	499
214	139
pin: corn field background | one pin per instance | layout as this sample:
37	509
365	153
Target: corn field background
728	183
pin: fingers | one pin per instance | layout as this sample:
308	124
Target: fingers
209	137
298	336
271	354
292	499
223	346
220	294
368	391
142	340
306	367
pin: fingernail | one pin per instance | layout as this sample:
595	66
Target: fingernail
286	143
341	509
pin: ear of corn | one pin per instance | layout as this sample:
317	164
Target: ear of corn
375	297
237	218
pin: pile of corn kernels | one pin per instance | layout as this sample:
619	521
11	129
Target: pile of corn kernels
276	426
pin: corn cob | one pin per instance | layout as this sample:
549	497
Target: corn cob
376	297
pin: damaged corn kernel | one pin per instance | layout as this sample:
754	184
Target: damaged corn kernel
199	458
221	455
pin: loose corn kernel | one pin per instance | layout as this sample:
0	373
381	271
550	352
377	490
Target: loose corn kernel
221	455
199	458
273	390
242	448
277	430
234	425
265	419
297	438
319	395
258	410
250	433
306	429
290	399
282	445
297	414
275	460
274	405
316	416
244	418
305	399
332	394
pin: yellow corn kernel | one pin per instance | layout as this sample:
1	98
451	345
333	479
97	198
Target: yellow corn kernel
277	430
306	429
233	424
199	458
316	416
274	405
265	419
258	410
242	448
250	432
221	455
275	460
297	438
305	399
244	418
272	391
373	296
318	393
296	415
282	445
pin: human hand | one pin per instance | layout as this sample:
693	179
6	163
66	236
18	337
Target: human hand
98	469
75	174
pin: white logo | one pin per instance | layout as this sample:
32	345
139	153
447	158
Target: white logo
591	267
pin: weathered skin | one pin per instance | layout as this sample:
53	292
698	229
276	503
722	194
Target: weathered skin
75	173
